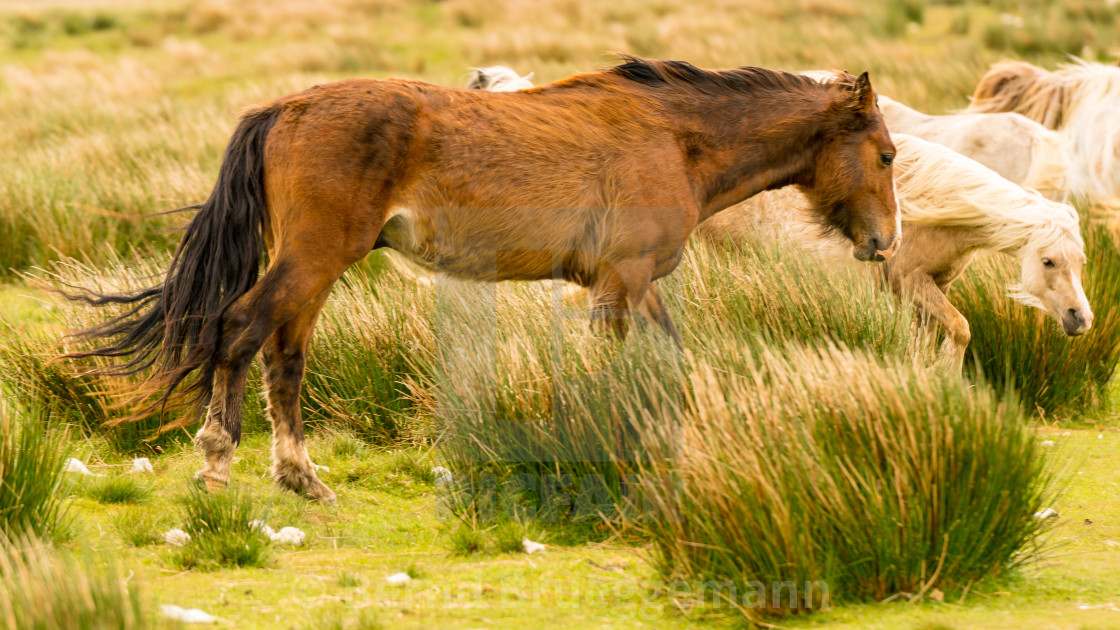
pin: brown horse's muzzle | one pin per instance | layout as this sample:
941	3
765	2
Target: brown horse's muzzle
882	255
872	250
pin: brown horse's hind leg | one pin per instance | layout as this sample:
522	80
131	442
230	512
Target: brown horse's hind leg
284	358
653	308
287	288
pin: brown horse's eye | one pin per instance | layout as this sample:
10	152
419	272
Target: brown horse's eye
886	158
1046	262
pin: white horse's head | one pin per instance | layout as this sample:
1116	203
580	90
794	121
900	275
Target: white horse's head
498	79
1051	281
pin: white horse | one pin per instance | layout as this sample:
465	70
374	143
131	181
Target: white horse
1081	101
952	209
498	79
1016	147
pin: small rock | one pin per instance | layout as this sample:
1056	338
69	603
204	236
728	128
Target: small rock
141	465
1047	513
322	468
186	615
177	537
531	547
1088	522
442	476
1111	543
289	536
399	578
76	466
1048	442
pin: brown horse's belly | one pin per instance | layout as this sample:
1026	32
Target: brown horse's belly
493	244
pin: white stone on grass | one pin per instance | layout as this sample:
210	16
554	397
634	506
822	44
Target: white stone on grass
442	476
141	465
76	466
289	536
186	615
1047	513
399	578
177	537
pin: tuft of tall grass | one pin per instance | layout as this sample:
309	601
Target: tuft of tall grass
362	363
766	290
1022	347
850	477
47	590
534	412
540	419
222	530
31	480
117	489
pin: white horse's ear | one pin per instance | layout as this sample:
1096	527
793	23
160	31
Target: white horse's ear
478	80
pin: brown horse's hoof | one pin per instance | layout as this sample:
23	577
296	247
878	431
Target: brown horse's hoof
211	484
307	485
321	493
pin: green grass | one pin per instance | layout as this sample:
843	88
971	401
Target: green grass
123	489
44	589
828	467
222	531
32	487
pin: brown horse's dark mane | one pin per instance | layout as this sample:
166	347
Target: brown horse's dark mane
734	81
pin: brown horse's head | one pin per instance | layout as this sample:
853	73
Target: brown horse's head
851	185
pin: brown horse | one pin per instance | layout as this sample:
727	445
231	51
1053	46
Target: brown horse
598	179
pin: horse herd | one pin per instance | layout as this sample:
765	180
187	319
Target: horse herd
599	179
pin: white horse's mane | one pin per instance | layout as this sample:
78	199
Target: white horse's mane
1061	94
940	187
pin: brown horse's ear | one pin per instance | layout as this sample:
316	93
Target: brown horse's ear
863	96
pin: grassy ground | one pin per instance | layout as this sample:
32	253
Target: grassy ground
389	520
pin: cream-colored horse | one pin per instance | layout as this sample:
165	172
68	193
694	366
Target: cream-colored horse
952	209
1081	101
1016	147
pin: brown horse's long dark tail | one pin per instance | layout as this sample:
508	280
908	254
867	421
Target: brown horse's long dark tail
174	329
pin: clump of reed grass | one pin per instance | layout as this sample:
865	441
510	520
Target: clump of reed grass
222	529
540	416
534	412
32	486
768	291
47	590
116	489
850	477
1021	347
362	360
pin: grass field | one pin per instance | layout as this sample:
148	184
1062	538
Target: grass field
114	109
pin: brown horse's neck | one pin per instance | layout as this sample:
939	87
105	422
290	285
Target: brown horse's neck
737	148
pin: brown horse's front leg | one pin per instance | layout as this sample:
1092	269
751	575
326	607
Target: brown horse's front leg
617	289
653	308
